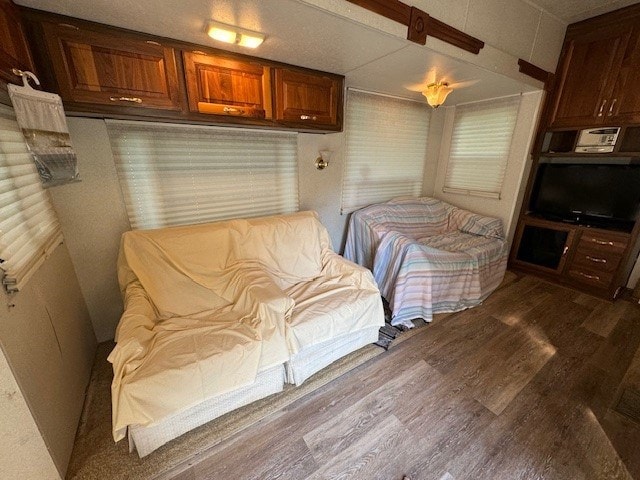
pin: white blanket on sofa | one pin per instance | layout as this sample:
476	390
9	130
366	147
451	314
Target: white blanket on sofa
209	306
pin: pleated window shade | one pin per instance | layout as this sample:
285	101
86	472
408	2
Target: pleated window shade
29	228
386	144
480	145
186	174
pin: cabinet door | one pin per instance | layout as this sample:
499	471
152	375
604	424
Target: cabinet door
542	246
583	97
307	98
224	86
109	68
625	102
14	49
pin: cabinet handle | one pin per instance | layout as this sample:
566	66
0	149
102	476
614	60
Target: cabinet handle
590	277
233	111
126	99
613	102
151	42
601	242
68	25
308	117
596	260
565	250
602	107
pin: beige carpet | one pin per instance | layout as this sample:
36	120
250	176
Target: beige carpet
96	456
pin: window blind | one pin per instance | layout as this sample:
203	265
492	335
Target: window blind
480	145
29	228
186	174
386	144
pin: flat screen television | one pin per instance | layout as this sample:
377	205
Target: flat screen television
606	196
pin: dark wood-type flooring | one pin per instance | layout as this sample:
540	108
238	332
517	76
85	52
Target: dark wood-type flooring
526	386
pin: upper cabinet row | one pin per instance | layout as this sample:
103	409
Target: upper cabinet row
103	70
599	73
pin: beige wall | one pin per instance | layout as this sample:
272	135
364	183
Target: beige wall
519	164
24	453
93	218
48	341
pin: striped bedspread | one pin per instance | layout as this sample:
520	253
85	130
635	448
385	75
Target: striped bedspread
427	256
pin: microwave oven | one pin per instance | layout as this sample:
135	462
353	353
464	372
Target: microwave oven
597	140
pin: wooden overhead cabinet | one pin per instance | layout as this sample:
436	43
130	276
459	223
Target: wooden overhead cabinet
310	99
106	67
221	85
14	49
599	71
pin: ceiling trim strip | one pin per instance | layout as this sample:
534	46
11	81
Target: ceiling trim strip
420	24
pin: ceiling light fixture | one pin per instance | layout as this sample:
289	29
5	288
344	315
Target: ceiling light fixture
436	93
230	34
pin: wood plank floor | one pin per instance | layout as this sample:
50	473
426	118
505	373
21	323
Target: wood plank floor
523	387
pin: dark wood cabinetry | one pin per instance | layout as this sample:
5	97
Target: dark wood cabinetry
599	72
598	84
104	68
222	85
14	49
101	71
576	255
308	98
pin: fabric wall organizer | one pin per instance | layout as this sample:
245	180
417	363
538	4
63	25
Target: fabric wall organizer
41	118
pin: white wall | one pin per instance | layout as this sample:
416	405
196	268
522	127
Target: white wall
321	190
24	453
507	207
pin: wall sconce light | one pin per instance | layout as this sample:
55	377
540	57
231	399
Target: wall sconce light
230	34
436	93
322	161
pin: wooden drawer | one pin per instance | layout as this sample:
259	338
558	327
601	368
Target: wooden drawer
109	68
599	259
604	241
217	85
595	278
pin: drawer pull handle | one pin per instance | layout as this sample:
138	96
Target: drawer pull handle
151	42
601	242
613	102
126	99
602	107
68	25
308	117
565	250
596	259
590	277
233	111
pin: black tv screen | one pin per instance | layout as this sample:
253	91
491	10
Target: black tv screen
602	195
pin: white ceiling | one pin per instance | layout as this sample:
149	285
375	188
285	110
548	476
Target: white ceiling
575	10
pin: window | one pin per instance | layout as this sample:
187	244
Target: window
386	144
29	228
480	145
185	174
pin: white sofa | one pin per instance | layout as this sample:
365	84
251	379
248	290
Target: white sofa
220	315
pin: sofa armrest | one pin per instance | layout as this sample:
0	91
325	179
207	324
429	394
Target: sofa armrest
474	223
335	265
